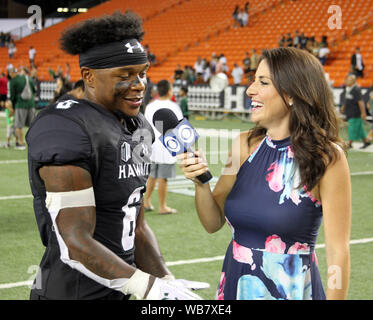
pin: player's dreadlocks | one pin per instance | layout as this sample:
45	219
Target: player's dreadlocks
106	29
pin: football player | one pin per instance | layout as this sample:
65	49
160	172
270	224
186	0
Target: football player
88	166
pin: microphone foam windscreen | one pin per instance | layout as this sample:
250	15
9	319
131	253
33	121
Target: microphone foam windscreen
164	119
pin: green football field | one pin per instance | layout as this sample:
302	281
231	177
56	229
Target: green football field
190	252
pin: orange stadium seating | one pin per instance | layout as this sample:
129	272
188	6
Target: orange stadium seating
178	31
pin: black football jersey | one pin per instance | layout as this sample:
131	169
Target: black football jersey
116	151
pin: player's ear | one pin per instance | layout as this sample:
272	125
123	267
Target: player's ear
88	76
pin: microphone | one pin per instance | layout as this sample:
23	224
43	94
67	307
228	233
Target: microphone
177	136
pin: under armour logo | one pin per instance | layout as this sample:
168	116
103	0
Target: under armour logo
65	104
130	47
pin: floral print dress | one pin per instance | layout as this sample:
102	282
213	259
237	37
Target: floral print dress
274	227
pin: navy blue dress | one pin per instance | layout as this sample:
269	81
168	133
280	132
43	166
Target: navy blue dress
274	227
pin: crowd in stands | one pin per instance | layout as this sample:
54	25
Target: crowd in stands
203	69
321	50
7	41
310	44
241	15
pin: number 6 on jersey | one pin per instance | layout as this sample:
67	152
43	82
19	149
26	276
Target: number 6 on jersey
129	220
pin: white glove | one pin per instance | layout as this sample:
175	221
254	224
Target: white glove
162	289
193	285
170	290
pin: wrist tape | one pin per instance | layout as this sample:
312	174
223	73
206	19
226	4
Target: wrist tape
137	284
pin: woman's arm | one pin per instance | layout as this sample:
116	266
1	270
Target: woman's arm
335	193
210	205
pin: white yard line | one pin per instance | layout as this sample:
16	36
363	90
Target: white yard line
13	161
16	197
16	284
180	262
363	173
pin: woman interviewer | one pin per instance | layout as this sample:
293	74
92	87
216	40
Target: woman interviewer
282	178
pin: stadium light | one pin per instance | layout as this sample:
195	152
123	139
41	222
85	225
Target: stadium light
72	10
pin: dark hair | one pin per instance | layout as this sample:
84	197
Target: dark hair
79	84
314	125
185	89
163	87
97	31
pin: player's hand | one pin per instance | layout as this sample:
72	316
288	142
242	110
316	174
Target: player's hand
145	286
163	289
192	164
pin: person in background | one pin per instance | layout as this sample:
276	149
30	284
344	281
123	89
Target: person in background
178	75
184	102
163	164
242	18
254	61
289	40
67	71
10	128
11	49
22	90
370	108
237	74
324	51
63	86
198	65
282	178
149	94
296	40
213	62
3	90
199	79
31	56
354	109
206	72
76	92
235	13
357	64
